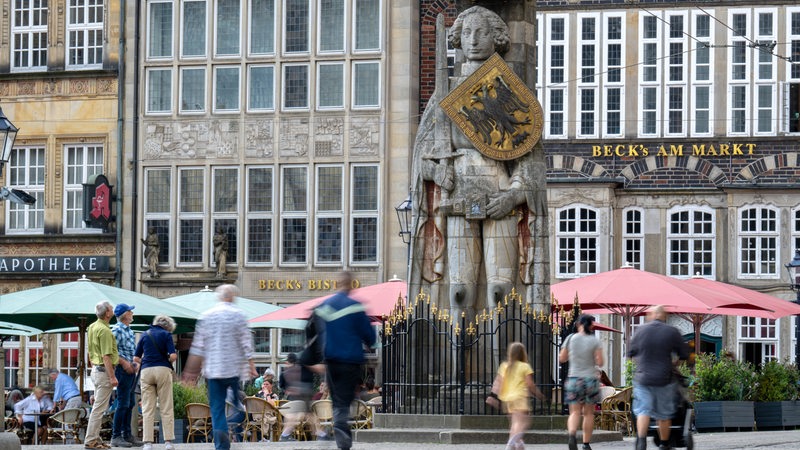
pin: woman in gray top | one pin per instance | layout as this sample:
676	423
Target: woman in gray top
582	350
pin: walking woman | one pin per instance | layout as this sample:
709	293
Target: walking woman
514	385
156	353
582	350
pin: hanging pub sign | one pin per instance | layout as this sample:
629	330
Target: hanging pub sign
97	197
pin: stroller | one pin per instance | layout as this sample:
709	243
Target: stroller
680	432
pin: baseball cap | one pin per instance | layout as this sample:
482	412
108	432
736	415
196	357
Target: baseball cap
122	308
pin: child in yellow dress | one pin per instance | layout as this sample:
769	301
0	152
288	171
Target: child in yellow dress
513	386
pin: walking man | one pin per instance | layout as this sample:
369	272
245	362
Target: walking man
347	328
125	372
104	357
65	394
223	347
655	389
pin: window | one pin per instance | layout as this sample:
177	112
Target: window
159	34
633	237
791	90
795	230
650	60
676	73
226	89
193	33
765	89
295	86
157	210
367	79
292	341
331	26
85	34
758	238
26	172
228	26
294	215
35	368
193	89
262	342
330	214
29	35
262	27
68	354
690	243
738	73
587	68
364	218
225	207
701	75
556	92
261	88
367	25
259	215
82	161
577	234
758	339
11	349
330	85
296	26
614	59
159	91
191	210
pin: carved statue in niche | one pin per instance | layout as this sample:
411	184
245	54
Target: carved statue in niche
221	251
152	248
476	214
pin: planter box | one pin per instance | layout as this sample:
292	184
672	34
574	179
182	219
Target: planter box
724	415
777	414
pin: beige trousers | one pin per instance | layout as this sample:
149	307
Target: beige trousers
102	394
156	385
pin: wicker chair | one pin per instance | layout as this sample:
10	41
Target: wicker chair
323	409
262	419
615	412
360	415
198	416
64	426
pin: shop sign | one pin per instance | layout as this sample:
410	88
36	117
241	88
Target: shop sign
51	264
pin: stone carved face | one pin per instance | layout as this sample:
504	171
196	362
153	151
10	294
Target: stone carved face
477	40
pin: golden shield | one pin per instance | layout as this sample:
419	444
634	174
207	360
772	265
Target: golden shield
496	111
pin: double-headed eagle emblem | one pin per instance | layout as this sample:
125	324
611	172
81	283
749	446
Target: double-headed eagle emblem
497	112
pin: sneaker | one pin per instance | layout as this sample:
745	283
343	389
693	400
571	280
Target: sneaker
664	447
168	446
95	444
287	438
147	446
572	443
586	446
135	442
641	443
120	442
324	437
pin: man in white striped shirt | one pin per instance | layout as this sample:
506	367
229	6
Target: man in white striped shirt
224	346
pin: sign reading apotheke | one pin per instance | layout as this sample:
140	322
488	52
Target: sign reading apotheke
49	264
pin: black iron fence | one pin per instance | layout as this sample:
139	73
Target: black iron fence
434	363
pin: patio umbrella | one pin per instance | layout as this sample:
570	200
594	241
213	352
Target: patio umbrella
205	299
628	292
73	304
378	299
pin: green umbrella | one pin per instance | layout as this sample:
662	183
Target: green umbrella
73	304
15	329
206	299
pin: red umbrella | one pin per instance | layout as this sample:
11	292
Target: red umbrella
378	299
629	292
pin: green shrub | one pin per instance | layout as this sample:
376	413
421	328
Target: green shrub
777	381
630	369
183	394
723	379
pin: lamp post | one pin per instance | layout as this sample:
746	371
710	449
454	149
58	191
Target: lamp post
404	217
8	133
793	267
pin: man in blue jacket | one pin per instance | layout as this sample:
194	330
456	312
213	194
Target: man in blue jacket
347	329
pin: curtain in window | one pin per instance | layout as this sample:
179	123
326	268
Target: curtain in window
262	26
194	28
262	87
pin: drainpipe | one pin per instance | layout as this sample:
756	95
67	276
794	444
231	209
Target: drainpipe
135	144
120	143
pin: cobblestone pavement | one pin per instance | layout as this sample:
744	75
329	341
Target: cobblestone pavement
710	441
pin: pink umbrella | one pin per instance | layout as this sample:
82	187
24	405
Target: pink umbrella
629	292
378	299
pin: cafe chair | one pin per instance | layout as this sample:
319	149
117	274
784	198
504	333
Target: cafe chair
64	426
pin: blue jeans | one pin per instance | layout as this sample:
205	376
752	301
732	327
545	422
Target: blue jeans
343	378
217	391
125	399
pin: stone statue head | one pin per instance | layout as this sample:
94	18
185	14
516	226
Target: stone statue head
479	25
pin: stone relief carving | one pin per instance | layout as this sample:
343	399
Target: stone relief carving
294	137
191	139
79	86
364	136
328	136
258	138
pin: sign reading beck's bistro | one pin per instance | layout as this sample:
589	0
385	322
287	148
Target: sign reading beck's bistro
49	264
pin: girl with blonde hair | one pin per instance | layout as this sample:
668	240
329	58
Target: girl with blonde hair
513	386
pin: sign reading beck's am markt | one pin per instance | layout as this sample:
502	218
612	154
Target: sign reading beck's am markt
50	264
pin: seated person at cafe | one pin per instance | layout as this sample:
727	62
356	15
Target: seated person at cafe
30	409
267	393
66	394
370	390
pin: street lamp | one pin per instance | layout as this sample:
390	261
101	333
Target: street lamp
403	211
8	132
793	267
